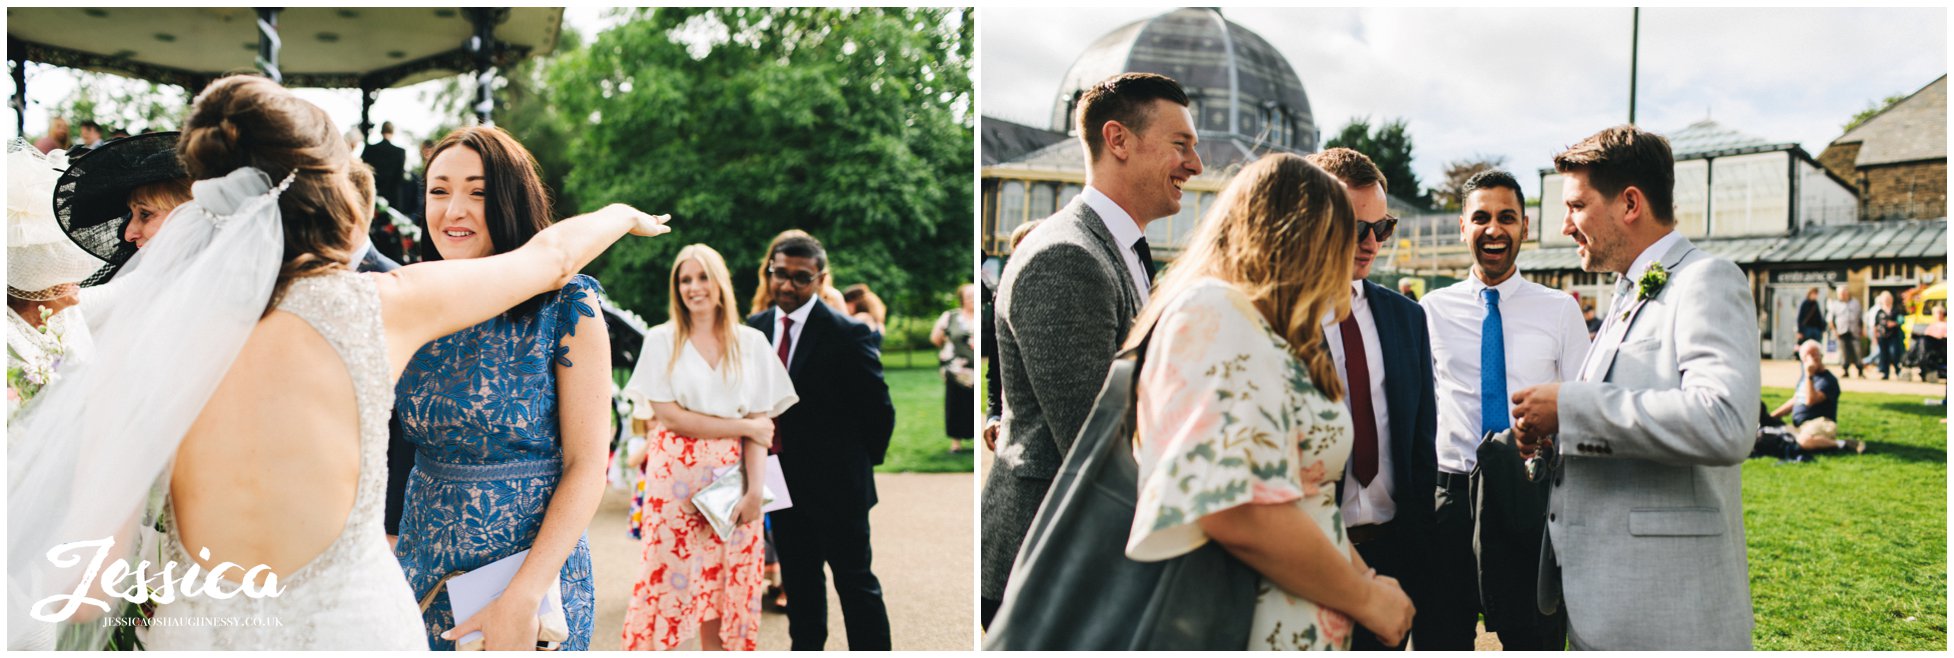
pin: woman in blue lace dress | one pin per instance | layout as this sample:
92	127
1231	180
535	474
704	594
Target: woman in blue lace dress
508	418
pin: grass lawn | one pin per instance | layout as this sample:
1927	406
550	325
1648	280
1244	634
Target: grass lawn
1850	552
919	444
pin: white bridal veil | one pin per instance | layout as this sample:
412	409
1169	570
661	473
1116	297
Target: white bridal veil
84	454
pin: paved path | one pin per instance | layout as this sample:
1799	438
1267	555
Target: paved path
924	555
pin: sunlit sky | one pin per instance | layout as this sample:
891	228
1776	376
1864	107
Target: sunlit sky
1525	83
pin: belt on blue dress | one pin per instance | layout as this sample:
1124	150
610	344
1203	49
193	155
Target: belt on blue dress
551	467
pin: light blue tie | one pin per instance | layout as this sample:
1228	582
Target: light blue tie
1493	416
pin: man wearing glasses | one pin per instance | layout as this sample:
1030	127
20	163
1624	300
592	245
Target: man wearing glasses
829	444
1386	491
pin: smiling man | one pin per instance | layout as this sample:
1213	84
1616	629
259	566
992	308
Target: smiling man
1386	490
1492	333
1069	295
1646	513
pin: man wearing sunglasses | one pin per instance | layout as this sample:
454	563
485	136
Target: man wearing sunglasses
1384	357
829	444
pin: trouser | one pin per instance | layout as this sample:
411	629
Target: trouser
1889	355
816	533
1849	356
1455	581
1397	551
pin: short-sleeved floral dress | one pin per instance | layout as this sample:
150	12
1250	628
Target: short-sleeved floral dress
1228	417
480	407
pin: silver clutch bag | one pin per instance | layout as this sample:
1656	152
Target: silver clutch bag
718	499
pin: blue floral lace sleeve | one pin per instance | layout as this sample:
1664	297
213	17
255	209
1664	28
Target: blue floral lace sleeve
576	301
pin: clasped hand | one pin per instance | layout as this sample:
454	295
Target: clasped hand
507	624
1536	418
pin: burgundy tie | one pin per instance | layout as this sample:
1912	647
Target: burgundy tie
786	347
1356	368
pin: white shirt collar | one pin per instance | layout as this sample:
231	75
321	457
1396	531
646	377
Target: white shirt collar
1125	230
1506	288
799	315
1357	290
1654	253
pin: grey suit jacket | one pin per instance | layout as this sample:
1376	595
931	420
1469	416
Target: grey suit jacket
1647	514
1063	307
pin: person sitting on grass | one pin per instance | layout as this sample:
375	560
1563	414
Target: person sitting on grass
1814	408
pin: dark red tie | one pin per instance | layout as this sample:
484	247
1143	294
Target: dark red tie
1356	367
786	347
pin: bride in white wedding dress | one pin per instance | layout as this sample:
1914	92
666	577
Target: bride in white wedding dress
249	361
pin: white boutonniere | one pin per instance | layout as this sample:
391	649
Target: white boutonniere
1648	286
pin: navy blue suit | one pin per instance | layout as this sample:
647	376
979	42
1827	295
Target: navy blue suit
1412	404
829	443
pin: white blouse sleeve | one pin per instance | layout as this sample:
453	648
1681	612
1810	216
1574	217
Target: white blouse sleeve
652	378
768	388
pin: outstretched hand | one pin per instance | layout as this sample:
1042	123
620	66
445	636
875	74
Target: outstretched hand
642	224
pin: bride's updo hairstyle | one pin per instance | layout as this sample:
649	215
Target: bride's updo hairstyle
249	121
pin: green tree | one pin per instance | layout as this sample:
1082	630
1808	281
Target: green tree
852	124
1388	145
117	102
1873	108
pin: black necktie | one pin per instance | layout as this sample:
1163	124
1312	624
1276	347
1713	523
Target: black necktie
1146	258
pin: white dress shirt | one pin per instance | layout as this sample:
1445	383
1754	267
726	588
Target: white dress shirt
800	322
1125	232
1546	340
1611	333
1365	505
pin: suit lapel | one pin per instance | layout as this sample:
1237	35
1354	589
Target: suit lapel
1096	227
812	333
1669	262
1397	392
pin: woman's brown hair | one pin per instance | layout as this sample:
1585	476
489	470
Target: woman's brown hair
1283	234
249	121
517	206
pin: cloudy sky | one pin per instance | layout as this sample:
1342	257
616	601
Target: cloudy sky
1524	83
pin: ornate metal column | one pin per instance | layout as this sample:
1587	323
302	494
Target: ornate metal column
482	45
268	44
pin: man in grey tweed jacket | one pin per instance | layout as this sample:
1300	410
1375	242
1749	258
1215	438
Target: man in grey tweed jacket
1069	295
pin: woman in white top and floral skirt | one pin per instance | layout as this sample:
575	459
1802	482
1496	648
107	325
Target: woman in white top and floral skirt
714	385
1240	433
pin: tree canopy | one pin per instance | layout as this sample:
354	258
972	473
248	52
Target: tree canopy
853	125
1388	145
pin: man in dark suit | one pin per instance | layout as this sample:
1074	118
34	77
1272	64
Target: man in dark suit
1388	484
829	444
389	164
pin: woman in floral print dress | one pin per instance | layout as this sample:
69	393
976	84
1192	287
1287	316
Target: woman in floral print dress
714	385
1240	432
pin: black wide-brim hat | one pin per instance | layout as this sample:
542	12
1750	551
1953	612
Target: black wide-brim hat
91	201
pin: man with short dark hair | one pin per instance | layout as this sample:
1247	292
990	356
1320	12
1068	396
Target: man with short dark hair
388	162
829	444
91	134
1492	333
1645	519
1386	490
1069	295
